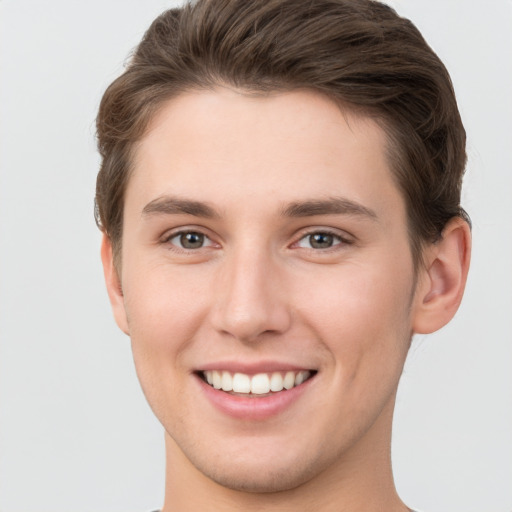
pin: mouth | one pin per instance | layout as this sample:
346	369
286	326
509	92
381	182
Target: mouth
257	385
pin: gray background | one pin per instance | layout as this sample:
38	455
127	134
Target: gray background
75	431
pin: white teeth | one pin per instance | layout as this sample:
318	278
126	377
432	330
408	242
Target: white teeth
289	380
301	377
259	384
217	379
241	383
227	381
276	382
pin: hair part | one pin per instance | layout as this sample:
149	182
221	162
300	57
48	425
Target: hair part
360	54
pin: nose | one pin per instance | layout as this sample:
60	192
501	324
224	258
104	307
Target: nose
250	299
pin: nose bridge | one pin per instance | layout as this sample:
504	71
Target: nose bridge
250	299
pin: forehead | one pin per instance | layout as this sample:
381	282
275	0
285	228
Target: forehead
281	147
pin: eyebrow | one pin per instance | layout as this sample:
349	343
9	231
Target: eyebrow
329	206
169	205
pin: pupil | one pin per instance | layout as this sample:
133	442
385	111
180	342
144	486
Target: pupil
191	240
321	240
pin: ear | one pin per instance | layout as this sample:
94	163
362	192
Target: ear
113	282
442	281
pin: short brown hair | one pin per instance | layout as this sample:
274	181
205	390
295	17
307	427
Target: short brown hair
360	53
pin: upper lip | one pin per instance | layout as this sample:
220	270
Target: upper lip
252	368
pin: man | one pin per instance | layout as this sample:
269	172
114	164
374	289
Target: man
280	201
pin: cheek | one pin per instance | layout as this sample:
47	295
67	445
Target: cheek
164	304
161	323
362	317
164	310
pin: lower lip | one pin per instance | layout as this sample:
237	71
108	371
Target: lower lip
257	408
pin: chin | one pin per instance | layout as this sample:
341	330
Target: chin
258	478
259	468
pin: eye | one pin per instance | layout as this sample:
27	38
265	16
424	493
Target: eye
320	240
189	240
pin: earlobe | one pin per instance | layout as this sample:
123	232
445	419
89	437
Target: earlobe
442	281
113	283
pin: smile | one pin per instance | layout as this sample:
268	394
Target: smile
258	384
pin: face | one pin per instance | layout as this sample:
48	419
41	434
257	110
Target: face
267	284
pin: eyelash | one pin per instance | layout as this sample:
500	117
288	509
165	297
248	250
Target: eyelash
178	234
338	240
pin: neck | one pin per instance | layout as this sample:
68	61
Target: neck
360	481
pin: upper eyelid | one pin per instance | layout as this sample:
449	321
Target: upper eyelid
171	233
341	234
330	233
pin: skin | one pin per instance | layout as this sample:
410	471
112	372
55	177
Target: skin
259	291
